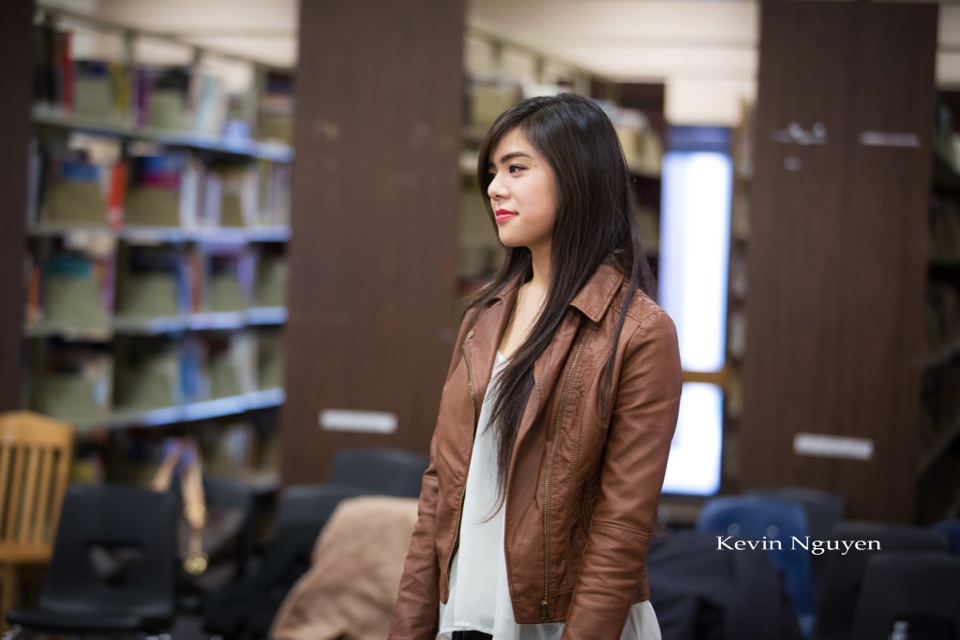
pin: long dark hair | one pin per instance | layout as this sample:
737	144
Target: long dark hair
596	216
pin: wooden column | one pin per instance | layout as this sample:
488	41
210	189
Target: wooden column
375	212
837	256
16	78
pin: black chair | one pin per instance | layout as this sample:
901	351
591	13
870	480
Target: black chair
778	522
824	510
845	573
247	608
113	568
917	587
950	529
388	472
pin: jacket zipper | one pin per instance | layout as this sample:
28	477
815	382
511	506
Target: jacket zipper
545	603
463	492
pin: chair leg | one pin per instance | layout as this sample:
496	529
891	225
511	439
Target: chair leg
8	592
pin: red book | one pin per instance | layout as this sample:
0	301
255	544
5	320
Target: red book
117	196
66	71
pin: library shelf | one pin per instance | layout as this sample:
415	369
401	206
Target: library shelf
203	410
186	139
942	356
138	234
946	264
120	325
936	451
945	174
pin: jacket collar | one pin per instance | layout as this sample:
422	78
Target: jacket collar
594	297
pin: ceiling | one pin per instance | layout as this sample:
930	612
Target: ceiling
705	51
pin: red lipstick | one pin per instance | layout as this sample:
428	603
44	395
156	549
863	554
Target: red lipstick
504	214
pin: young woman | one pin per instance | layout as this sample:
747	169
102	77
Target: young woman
559	405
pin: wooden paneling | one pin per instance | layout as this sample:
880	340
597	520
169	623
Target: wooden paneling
836	261
375	211
16	78
795	218
887	195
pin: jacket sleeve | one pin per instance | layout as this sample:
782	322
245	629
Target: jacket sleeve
417	612
638	442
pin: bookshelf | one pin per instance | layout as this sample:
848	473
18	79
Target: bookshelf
737	290
938	482
157	232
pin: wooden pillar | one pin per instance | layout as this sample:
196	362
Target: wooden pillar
837	257
374	220
16	78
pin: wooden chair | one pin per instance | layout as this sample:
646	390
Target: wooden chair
35	456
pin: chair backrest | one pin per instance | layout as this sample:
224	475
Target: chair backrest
312	503
950	529
824	510
918	587
388	472
845	571
115	552
772	525
35	456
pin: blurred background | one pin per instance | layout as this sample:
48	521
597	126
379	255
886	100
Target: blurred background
255	224
174	252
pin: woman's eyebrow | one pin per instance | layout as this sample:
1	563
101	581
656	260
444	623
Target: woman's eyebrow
510	156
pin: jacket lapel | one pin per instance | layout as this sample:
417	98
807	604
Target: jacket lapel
546	371
592	300
480	347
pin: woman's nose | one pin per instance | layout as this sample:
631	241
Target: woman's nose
495	190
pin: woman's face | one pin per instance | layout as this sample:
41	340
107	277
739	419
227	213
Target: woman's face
523	193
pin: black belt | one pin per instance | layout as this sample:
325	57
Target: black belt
471	635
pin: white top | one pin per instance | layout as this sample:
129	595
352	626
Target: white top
479	596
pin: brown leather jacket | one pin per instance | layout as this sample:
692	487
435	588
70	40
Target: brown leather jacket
582	493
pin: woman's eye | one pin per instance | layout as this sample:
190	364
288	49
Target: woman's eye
515	167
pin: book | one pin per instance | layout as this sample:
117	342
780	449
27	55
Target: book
233	199
275	121
70	382
76	191
78	289
208	105
94	91
148	373
233	363
154	194
167	99
270	360
153	281
272	276
229	279
273	193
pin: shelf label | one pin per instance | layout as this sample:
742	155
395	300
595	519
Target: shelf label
358	421
824	446
885	139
